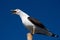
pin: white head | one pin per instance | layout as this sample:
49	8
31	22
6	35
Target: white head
19	12
16	11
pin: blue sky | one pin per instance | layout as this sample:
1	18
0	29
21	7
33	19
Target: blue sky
46	11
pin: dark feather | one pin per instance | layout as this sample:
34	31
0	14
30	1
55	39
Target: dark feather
36	22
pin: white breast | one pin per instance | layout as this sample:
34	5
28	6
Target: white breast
26	22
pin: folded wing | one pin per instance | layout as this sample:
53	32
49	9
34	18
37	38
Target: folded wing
36	22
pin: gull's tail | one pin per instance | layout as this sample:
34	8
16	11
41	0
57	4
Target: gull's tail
54	35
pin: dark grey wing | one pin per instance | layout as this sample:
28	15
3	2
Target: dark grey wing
42	29
36	22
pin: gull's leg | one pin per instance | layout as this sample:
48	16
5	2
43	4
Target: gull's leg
33	31
29	36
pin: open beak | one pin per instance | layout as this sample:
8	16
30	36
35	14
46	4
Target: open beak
14	12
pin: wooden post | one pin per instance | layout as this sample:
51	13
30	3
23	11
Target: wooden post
29	36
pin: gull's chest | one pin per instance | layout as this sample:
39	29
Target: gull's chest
26	22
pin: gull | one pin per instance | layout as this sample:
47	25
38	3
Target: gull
33	25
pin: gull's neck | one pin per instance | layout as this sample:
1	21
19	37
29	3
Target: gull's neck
23	15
